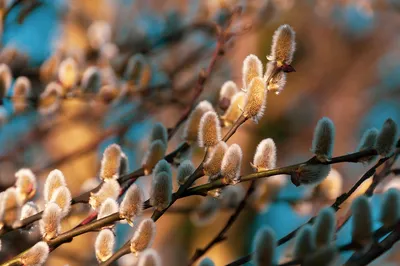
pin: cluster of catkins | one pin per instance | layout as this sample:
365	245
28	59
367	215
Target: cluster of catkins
314	244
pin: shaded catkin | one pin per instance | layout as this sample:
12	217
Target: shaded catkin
143	236
154	154
323	139
111	162
132	204
368	142
252	68
28	209
162	166
256	99
185	169
310	174
231	196
386	140
149	257
362	221
36	255
54	180
190	132
231	164
91	80
325	256
265	156
212	165
304	244
209	130
325	226
283	45
390	210
161	190
205	212
50	98
228	90
104	245
264	247
159	132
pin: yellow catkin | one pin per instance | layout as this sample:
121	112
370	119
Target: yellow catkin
235	108
256	99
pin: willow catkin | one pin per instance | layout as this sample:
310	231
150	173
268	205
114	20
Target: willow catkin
162	166
206	262
252	68
154	154
310	174
54	180
50	98
99	33
25	185
124	166
265	156
143	236
304	243
159	132
231	196
132	204
22	87
104	245
390	210
325	226
50	223
235	108
231	164
109	189
68	73
111	162
264	247
209	130
62	197
212	165
386	140
331	187
283	45
277	82
91	80
185	169
191	128
108	207
256	99
149	257
36	255
161	190
325	256
368	142
362	221
323	139
10	206
228	90
5	80
206	212
28	209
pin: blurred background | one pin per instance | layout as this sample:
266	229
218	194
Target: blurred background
347	68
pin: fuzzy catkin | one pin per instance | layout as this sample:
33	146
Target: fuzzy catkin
54	180
62	197
362	221
368	142
155	153
390	210
331	187
162	166
109	189
22	87
149	257
25	184
190	132
310	174
109	206
185	169
50	98
325	226
111	162
323	139
36	255
104	245
325	256
159	132
231	164
161	191
28	209
386	140
50	222
212	165
256	99
124	167
283	45
228	90
277	82
304	244
68	73
10	206
235	108
91	80
143	236
99	33
264	247
265	156
252	68
232	195
132	204
209	130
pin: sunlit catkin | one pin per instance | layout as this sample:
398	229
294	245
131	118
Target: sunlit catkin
206	212
231	164
386	140
36	255
143	236
283	45
25	184
149	257
212	165
324	256
111	162
155	153
185	169
91	80
28	209
390	210
132	204
325	226
368	142
206	262
362	221
62	197
104	245
310	174
331	187
264	247
191	129
256	99
265	156
231	196
68	73
323	139
304	244
10	206
54	180
109	206
109	189
161	190
50	223
22	87
5	80
162	166
252	68
235	108
228	90
159	132
276	80
50	98
209	130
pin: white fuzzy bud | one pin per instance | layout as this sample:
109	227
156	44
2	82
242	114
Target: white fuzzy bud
325	226
62	197
331	187
310	174
228	90
185	169
99	33
28	209
252	68
161	191
283	45
159	132
36	255
206	212
265	156
5	80
304	242
68	73
108	207
231	164
149	257
154	154
324	138
212	165
362	221
235	108
132	204
25	184
390	210
50	222
231	196
104	245
54	180
143	236
191	129
111	162
386	140
256	99
209	130
264	247
109	189
91	80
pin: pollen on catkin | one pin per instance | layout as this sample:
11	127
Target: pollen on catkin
10	206
283	45
235	108
209	130
109	189
36	255
132	204
191	129
28	209
161	190
212	165
390	210
331	187
231	196
185	169
361	230
62	197
143	236
323	139
5	79
277	81
206	212
228	90
68	73
265	156
231	164
304	243
25	184
149	257
252	68
159	132
111	162
256	100
104	245
54	180
154	154
206	262
310	174
386	140
324	256
91	80
325	226
49	225
108	207
264	247
368	142
162	166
